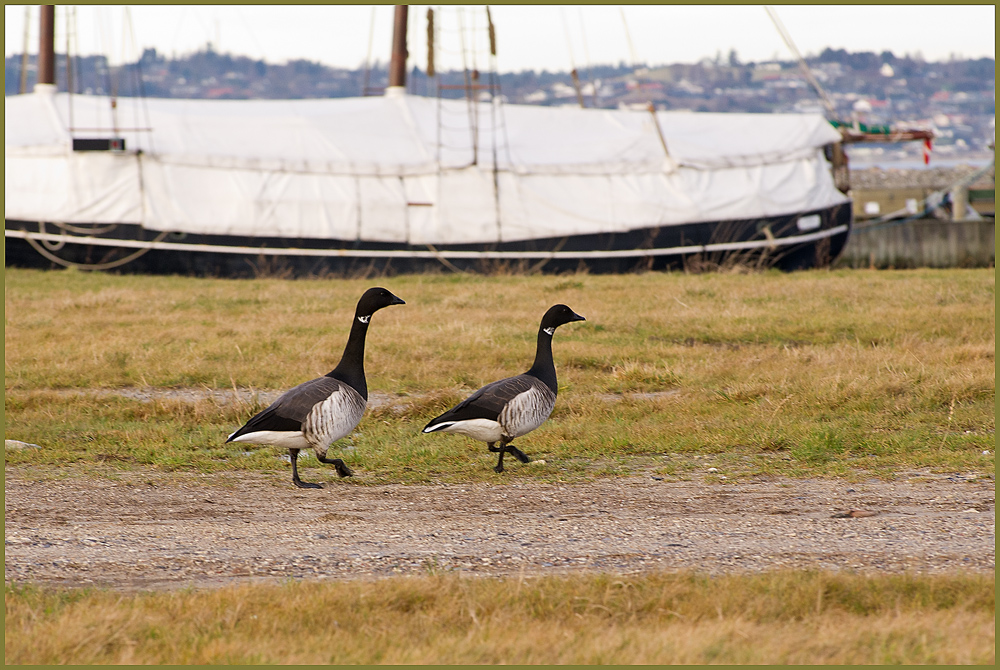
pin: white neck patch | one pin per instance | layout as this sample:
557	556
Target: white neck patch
364	319
549	330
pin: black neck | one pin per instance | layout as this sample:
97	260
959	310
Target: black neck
544	368
351	369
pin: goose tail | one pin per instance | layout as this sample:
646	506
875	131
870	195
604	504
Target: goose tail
433	427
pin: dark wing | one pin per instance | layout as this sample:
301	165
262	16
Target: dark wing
487	402
293	406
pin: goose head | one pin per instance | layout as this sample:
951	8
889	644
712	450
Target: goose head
556	316
373	300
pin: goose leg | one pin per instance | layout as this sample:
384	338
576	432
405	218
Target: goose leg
492	447
503	449
294	454
338	464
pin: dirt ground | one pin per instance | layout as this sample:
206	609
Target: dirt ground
147	531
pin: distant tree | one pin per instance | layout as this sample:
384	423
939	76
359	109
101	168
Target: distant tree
982	68
150	57
829	55
306	68
864	61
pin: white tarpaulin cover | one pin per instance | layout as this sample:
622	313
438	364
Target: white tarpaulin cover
401	168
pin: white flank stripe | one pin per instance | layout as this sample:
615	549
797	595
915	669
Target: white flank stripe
478	429
287	439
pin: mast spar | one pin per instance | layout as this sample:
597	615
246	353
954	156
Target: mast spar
397	65
47	46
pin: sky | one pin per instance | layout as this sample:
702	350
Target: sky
529	37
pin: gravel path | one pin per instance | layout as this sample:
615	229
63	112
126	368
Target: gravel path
139	532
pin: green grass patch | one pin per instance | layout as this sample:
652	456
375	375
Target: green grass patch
847	373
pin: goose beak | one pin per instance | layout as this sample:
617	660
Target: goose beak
577	317
397	301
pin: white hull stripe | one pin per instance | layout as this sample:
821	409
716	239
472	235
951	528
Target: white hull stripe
360	253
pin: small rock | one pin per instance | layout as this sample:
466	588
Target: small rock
538	462
713	469
17	444
853	514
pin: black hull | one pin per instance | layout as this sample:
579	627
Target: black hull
772	242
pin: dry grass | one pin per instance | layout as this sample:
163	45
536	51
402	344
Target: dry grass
812	373
785	617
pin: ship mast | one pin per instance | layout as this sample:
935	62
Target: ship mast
397	64
47	46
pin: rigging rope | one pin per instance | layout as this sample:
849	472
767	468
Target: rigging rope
88	266
368	58
586	57
802	61
628	38
572	60
24	52
444	261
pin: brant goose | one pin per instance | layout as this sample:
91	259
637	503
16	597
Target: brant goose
509	408
318	412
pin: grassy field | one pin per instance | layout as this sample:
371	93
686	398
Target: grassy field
838	374
793	617
844	373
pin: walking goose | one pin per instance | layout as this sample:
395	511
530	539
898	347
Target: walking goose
318	412
509	408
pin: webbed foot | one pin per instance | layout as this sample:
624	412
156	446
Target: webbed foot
518	454
294	455
338	464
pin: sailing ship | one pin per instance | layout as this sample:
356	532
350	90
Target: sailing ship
402	183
